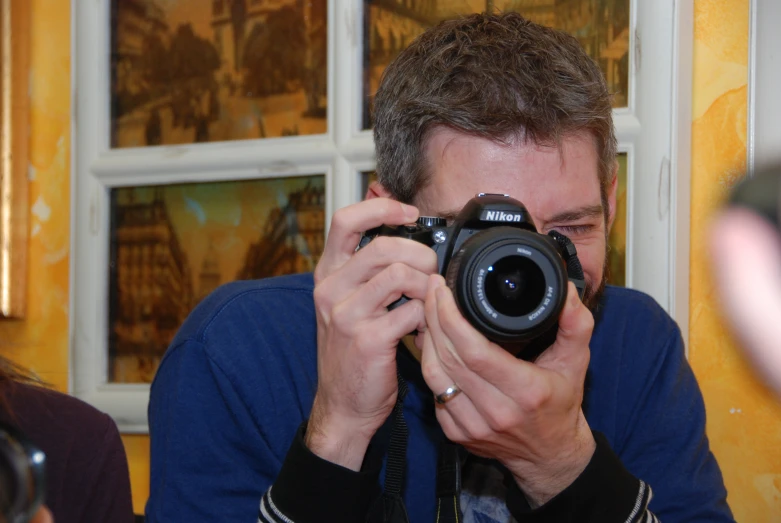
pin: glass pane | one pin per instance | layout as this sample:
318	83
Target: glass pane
601	26
172	245
616	264
187	71
617	239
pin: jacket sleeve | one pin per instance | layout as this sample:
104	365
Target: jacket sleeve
212	460
605	492
311	489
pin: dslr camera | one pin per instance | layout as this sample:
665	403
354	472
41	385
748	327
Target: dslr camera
508	280
22	485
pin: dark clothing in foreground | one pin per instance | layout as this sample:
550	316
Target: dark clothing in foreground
232	395
87	477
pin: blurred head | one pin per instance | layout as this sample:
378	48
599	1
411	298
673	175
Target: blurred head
494	76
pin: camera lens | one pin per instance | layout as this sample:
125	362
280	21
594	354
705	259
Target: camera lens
22	481
514	286
509	283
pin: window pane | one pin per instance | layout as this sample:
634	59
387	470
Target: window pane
172	245
617	240
601	26
186	71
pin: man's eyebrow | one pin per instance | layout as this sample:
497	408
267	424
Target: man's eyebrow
571	215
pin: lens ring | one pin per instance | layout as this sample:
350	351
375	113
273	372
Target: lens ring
468	268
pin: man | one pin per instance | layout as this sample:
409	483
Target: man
279	389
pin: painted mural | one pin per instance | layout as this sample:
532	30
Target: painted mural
186	71
601	26
171	246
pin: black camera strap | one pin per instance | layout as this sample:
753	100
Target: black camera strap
389	507
448	483
570	254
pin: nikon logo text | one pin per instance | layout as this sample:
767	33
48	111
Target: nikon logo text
501	216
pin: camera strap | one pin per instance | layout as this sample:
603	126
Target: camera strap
448	483
389	507
570	254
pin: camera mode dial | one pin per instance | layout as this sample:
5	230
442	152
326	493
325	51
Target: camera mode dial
432	221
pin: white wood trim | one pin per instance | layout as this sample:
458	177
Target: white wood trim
680	145
764	131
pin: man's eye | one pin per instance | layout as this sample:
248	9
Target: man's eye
575	229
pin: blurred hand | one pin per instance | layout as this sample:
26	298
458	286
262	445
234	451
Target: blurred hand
525	415
42	516
357	337
746	257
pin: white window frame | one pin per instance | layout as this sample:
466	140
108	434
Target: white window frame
764	132
654	129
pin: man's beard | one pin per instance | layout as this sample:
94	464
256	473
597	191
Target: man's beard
592	296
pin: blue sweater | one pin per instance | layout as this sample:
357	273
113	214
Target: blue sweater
239	380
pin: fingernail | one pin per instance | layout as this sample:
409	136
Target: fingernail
410	212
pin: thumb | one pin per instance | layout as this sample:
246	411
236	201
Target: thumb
570	353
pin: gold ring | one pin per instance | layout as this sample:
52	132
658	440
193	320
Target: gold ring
450	393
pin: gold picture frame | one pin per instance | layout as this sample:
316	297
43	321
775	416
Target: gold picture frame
14	122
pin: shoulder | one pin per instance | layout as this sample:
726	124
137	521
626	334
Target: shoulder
49	416
635	341
83	448
247	332
270	300
632	313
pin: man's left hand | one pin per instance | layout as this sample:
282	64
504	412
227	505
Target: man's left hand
527	416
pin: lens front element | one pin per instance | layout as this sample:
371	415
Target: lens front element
514	286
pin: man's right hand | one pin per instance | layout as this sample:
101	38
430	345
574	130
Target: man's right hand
357	337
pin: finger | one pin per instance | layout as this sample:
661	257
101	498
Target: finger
467	355
569	354
348	223
373	298
746	256
459	417
366	264
394	325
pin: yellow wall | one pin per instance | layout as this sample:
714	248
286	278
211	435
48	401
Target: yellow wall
744	420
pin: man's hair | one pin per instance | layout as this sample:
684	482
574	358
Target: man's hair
496	76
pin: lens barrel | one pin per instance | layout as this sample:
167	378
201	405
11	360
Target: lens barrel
509	283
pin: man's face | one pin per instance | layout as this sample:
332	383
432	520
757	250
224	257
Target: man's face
558	186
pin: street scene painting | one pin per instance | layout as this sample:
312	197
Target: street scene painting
173	245
601	27
190	71
616	256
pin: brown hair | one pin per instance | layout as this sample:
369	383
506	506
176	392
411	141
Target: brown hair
497	76
10	375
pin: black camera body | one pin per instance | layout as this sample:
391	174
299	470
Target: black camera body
509	281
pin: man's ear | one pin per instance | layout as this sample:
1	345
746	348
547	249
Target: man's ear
612	189
376	190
